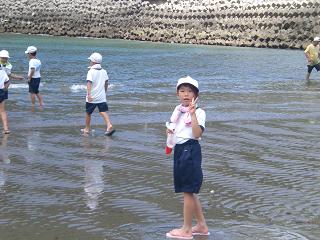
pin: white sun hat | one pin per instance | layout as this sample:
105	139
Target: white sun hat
188	80
4	54
316	39
95	57
31	49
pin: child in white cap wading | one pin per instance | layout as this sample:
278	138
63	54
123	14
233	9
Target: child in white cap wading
97	85
189	123
7	67
4	81
34	75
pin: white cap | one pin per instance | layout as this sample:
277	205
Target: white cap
316	39
31	49
4	54
95	57
188	80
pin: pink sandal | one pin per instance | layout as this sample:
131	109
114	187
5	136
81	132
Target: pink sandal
176	234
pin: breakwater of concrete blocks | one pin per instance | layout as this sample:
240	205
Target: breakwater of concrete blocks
252	23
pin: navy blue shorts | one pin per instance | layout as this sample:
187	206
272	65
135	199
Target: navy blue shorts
187	172
103	107
6	94
317	67
2	95
34	85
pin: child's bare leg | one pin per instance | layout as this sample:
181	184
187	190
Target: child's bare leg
40	99
308	76
88	122
106	120
201	226
33	98
188	209
4	117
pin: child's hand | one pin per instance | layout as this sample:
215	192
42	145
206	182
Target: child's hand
90	99
192	106
169	131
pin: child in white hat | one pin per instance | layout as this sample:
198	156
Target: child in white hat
7	67
34	76
4	81
189	123
97	85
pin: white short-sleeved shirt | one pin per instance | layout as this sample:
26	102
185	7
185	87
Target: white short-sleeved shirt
6	67
183	132
3	78
36	64
97	76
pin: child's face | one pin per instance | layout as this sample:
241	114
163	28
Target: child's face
185	94
4	60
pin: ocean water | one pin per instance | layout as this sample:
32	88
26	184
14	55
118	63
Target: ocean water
260	147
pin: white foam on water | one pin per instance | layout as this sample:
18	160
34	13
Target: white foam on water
20	85
77	87
81	87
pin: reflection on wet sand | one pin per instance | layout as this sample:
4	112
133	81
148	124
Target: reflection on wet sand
93	185
4	158
33	141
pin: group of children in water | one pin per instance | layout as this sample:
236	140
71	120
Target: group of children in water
189	124
33	81
187	117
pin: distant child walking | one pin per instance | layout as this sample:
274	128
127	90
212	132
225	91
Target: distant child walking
7	67
97	86
312	54
189	123
34	75
4	84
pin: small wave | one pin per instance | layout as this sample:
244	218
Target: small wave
21	85
79	87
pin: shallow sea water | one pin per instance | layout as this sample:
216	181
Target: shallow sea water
260	147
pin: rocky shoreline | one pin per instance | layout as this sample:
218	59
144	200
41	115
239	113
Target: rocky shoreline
247	23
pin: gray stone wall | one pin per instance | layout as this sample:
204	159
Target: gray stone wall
254	23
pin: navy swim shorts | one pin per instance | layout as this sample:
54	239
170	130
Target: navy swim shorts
317	67
2	95
103	107
187	171
34	85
